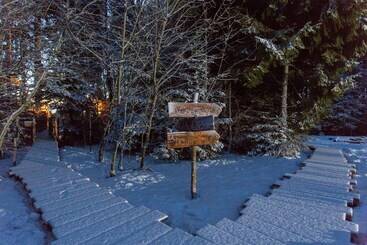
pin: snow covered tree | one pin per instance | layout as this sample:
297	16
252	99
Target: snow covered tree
348	113
277	65
21	73
299	30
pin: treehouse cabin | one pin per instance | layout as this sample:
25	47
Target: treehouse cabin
43	114
27	124
78	127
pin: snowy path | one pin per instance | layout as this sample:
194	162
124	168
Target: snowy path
310	206
78	210
19	225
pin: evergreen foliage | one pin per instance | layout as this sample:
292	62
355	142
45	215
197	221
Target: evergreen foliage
320	40
276	65
348	113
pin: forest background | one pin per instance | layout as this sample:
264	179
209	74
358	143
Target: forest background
276	66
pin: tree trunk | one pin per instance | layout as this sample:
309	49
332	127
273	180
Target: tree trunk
9	58
146	139
156	64
103	142
113	160
230	116
90	130
121	159
285	97
123	140
101	149
84	128
37	44
117	96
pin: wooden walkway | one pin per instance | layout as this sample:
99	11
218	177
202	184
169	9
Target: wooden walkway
311	206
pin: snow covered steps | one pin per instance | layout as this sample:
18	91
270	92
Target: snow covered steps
80	212
309	207
326	174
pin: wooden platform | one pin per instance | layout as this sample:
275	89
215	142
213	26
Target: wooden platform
312	206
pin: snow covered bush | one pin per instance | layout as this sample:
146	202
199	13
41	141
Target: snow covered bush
260	133
348	114
163	153
203	153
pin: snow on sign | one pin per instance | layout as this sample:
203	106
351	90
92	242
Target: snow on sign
193	109
188	139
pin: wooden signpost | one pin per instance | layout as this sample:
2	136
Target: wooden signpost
196	127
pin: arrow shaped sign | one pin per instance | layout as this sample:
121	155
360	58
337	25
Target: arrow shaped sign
188	139
195	124
193	109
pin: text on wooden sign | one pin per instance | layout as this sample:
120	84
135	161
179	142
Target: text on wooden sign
193	109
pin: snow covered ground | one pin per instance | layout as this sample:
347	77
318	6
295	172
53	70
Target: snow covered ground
355	153
224	184
18	223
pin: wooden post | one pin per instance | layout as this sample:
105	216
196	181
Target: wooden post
56	128
53	125
15	146
57	137
194	163
15	142
196	128
34	130
48	120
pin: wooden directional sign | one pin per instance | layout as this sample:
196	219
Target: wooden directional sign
188	139
193	109
196	124
197	128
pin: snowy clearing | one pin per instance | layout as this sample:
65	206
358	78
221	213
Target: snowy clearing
18	223
224	184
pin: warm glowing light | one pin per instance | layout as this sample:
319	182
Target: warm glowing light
15	80
101	106
43	108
